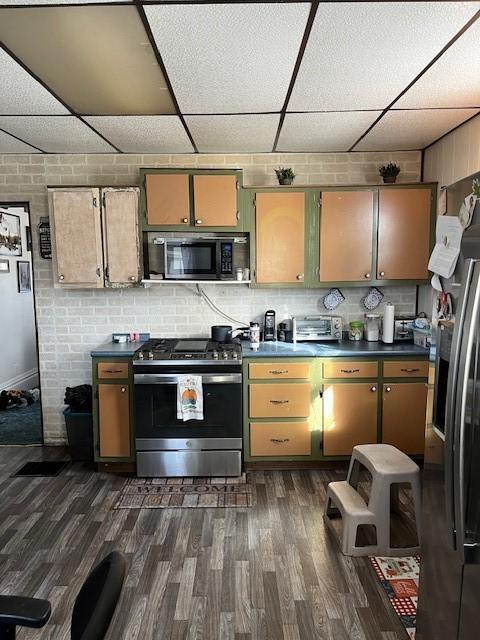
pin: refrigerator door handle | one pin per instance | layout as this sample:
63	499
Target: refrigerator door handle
452	395
465	358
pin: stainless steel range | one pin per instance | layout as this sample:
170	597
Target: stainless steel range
168	446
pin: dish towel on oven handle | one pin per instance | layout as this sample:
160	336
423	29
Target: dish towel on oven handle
189	398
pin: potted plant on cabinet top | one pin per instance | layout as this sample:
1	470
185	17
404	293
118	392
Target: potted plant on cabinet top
389	172
285	175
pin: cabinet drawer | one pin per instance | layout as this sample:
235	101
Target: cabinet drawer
350	369
280	439
112	370
279	370
406	369
279	400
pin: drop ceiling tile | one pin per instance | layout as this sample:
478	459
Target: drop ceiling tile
143	134
234	133
229	58
453	81
404	130
55	134
20	3
22	94
8	144
316	132
98	59
361	55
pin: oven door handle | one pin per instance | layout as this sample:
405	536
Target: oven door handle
168	378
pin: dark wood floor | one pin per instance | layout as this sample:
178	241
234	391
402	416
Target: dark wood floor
271	571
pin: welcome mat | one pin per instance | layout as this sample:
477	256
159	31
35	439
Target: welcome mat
399	578
164	493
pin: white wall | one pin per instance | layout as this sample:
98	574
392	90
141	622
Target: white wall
71	323
18	360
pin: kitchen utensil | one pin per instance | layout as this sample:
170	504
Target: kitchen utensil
269	326
221	332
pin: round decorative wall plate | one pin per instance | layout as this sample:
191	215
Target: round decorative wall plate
372	299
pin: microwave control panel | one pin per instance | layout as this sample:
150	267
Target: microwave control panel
226	258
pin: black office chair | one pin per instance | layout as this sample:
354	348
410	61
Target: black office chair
92	612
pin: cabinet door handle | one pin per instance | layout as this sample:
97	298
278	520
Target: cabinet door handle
279	401
381	274
388	389
350	370
409	370
61	277
373	389
124	389
278	372
198	221
367	275
300	276
185	220
132	278
279	440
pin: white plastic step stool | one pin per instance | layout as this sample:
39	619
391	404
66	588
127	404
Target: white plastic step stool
388	466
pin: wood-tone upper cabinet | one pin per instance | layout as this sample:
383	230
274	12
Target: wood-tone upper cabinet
404	216
404	411
77	237
350	413
346	236
168	198
215	200
120	236
280	237
114	420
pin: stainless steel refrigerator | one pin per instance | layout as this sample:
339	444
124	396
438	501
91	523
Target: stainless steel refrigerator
449	597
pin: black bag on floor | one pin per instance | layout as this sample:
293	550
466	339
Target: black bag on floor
79	398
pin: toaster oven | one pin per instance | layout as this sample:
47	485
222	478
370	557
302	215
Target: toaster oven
316	328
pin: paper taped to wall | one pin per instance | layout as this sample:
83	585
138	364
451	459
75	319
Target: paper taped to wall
448	237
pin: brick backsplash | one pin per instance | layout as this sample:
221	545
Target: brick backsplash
70	323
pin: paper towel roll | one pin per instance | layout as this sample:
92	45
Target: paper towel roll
388	323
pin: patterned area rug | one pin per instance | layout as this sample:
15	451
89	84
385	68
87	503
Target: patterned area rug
164	493
399	578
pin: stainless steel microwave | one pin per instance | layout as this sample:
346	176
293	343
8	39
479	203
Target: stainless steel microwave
199	258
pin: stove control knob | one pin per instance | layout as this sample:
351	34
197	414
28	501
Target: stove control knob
150	355
215	355
225	355
140	355
235	355
338	334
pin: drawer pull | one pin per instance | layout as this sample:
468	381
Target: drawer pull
278	372
279	440
124	389
409	370
113	371
350	370
279	401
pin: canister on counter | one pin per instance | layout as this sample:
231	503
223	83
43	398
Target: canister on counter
355	330
254	335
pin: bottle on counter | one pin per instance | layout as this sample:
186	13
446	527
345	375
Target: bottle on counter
254	335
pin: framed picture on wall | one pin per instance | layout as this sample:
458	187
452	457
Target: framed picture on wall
4	266
24	277
10	234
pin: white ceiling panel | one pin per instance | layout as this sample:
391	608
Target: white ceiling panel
318	132
55	134
229	58
361	55
21	94
144	134
32	3
8	144
453	81
235	133
403	130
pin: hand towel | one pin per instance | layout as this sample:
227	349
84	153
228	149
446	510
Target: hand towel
189	398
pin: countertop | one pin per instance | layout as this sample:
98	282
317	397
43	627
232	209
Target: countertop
345	348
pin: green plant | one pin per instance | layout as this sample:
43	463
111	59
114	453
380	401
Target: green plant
285	173
389	170
476	188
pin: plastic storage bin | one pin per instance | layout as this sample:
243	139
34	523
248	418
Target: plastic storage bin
80	435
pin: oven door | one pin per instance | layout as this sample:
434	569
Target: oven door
156	409
191	259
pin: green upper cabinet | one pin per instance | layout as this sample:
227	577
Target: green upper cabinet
191	199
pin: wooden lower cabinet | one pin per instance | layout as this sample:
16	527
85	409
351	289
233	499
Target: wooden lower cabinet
281	400
114	420
350	413
280	439
404	412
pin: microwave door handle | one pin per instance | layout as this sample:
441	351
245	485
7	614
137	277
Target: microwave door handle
452	396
